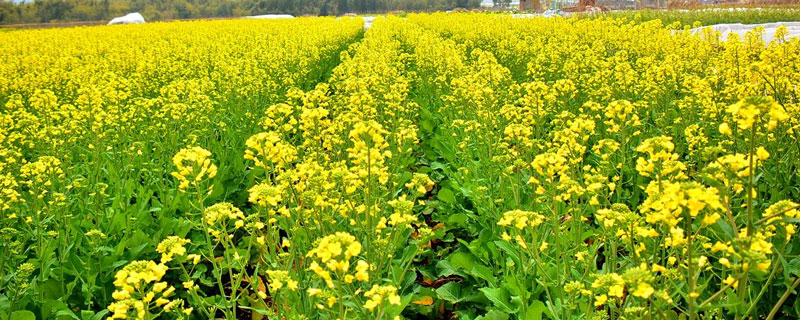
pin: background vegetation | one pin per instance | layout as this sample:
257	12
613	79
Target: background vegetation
153	10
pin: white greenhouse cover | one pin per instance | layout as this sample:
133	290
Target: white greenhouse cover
368	22
741	29
128	19
271	16
490	3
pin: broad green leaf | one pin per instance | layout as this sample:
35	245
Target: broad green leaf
447	196
500	299
450	292
493	315
483	272
446	269
462	260
535	311
54	309
22	315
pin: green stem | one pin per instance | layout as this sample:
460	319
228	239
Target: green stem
783	298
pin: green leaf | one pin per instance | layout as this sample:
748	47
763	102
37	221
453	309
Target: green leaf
493	315
535	311
87	314
54	309
483	272
22	315
256	310
100	314
794	267
458	219
445	269
450	292
52	290
500	299
447	196
510	250
462	260
426	125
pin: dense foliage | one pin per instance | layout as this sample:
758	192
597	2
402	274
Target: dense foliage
42	11
439	166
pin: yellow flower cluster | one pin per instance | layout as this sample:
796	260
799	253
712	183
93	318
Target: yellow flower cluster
378	294
420	183
139	289
218	217
661	162
747	112
269	151
332	258
265	194
520	219
41	171
669	203
280	279
170	247
369	151
194	165
639	156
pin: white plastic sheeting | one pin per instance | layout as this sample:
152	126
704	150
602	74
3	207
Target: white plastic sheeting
271	16
549	13
368	22
741	29
131	18
490	4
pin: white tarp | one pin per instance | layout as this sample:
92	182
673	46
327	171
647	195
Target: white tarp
130	18
271	16
490	4
368	22
741	29
549	13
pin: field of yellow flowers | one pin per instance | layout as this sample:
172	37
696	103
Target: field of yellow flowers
435	166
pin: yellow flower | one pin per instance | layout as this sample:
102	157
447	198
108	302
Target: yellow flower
222	212
725	129
611	282
269	151
265	194
600	300
194	165
378	294
731	281
160	286
195	258
278	279
161	301
762	153
312	292
362	268
643	290
188	284
171	246
520	219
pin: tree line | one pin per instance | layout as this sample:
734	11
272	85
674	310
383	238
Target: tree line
43	11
